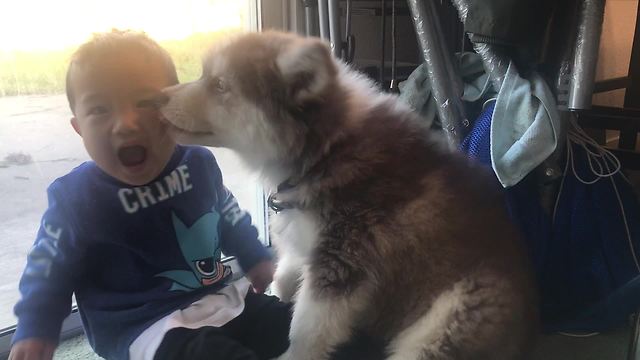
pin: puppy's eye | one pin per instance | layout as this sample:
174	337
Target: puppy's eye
218	85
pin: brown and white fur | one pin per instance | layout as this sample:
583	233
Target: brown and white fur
388	233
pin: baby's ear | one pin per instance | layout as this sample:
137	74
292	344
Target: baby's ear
308	68
74	124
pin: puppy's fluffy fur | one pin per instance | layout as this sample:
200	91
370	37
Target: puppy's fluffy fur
385	231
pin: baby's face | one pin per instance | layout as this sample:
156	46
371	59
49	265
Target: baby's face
117	117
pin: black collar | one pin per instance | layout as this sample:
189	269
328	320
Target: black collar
278	205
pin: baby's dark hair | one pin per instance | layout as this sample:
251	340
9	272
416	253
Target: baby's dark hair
113	43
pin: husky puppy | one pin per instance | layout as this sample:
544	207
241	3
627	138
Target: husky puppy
379	229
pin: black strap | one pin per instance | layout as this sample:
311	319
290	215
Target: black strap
278	205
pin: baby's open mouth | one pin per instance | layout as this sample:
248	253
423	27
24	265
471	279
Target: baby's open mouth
132	155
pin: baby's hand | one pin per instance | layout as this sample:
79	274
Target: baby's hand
261	275
32	349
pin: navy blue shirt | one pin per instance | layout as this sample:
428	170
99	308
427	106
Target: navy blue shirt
132	254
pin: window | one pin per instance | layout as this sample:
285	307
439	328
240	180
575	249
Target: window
37	144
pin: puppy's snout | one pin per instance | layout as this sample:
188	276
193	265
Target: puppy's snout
169	91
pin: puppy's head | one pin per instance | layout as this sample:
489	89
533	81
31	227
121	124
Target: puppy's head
252	96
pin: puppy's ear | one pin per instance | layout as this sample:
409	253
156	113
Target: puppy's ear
308	68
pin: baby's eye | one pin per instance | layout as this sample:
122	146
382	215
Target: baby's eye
98	110
147	104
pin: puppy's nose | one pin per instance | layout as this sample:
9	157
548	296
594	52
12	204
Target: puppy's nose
171	89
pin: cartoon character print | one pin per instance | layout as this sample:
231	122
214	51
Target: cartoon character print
200	248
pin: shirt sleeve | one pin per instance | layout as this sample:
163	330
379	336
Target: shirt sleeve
238	237
46	285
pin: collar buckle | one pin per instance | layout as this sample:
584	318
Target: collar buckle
277	205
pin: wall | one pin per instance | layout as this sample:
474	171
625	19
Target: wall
615	47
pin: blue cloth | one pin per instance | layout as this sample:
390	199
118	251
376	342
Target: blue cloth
131	254
587	277
592	253
477	144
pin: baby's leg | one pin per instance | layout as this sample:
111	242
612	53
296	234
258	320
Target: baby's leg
265	327
207	343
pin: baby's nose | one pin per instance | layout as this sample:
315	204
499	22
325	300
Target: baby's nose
161	99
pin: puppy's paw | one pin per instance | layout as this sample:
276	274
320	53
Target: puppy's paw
284	291
298	355
286	356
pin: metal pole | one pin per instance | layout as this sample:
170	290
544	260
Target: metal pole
308	26
334	28
495	62
323	14
350	41
383	5
446	86
347	23
310	17
586	55
392	85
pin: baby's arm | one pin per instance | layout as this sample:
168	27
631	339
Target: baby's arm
32	349
46	285
261	275
240	239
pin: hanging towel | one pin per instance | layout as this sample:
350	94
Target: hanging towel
525	127
416	90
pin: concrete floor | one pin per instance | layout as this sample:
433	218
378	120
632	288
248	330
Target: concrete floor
609	346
